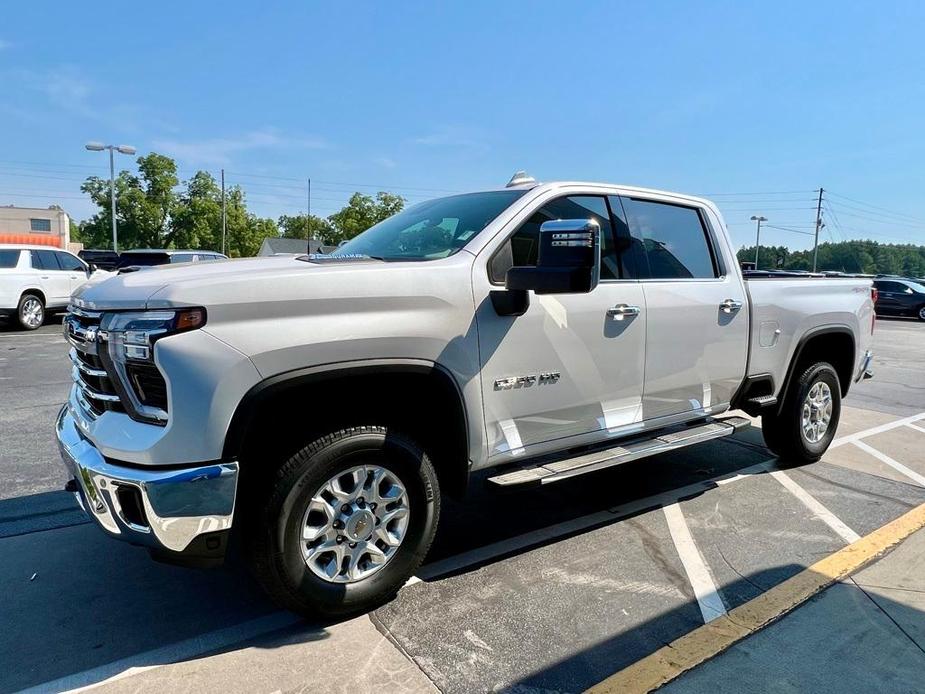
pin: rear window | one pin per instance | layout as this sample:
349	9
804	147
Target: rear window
9	258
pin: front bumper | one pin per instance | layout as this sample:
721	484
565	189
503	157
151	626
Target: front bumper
180	510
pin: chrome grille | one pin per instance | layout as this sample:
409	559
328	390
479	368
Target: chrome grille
95	390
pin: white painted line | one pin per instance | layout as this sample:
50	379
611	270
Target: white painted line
895	464
820	511
484	555
851	438
166	655
711	605
917	428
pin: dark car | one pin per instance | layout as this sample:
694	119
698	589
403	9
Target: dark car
104	260
900	297
130	261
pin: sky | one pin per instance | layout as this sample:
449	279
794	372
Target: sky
754	105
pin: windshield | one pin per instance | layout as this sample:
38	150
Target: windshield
433	229
144	259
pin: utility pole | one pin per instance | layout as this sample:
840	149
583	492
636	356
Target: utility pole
223	213
818	227
758	219
122	149
308	219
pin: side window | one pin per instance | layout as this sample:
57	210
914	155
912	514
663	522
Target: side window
45	260
9	258
674	238
69	262
182	258
894	287
521	249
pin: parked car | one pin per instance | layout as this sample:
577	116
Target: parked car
320	405
898	296
104	260
36	280
129	261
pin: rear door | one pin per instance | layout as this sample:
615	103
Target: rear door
75	268
697	311
567	368
56	283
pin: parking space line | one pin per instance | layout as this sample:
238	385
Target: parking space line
698	573
916	427
857	436
820	511
708	641
895	464
559	531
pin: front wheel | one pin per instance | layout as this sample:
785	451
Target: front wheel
347	521
921	313
806	423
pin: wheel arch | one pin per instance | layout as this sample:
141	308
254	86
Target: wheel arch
34	290
832	343
420	398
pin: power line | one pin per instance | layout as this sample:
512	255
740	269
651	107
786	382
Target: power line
876	207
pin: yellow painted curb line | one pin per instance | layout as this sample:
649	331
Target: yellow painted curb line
713	638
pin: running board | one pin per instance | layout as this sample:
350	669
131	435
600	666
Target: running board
544	473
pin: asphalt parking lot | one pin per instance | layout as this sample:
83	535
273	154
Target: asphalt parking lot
552	589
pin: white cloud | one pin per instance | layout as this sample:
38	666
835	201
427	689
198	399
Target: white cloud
219	150
385	162
452	136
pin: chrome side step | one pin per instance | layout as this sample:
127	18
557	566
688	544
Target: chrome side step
553	471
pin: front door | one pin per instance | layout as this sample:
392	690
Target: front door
696	309
570	367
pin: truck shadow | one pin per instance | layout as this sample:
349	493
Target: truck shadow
76	600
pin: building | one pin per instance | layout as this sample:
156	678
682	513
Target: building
273	246
50	226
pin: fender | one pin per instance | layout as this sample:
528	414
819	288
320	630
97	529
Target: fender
798	352
278	383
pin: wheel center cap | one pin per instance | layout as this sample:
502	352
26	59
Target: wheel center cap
360	524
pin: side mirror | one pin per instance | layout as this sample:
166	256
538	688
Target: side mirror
91	268
568	261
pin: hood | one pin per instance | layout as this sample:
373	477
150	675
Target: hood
135	289
208	283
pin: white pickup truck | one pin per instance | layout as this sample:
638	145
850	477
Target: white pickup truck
320	406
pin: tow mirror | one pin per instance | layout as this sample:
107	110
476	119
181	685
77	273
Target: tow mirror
568	261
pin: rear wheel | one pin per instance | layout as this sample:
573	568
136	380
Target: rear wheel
347	521
31	311
806	423
921	312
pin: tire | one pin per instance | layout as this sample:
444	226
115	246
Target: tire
920	314
278	554
31	311
784	432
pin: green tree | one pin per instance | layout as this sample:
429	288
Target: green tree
859	256
197	219
361	212
306	227
144	204
245	231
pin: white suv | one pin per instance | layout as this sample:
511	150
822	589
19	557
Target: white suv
37	279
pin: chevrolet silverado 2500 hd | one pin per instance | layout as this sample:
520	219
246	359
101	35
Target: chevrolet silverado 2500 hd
320	406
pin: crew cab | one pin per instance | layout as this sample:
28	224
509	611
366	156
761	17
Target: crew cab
35	280
320	406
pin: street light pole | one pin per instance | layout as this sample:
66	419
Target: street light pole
122	149
758	219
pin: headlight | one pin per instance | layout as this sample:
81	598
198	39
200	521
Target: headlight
128	354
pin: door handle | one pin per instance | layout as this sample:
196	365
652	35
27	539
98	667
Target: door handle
729	305
621	311
44	277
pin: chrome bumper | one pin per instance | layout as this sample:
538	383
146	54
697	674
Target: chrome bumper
169	508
